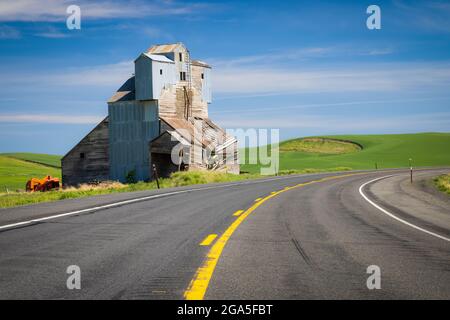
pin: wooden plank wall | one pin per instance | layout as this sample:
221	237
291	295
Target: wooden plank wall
95	164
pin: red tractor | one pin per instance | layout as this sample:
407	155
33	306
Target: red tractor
46	184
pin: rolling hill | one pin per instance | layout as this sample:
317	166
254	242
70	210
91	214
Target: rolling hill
386	151
17	168
325	153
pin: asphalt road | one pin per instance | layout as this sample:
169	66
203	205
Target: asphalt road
309	242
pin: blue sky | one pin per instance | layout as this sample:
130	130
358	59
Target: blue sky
305	67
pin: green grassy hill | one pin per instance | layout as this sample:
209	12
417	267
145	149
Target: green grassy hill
17	168
50	160
324	153
388	151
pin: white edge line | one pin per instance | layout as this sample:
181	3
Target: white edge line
393	216
120	203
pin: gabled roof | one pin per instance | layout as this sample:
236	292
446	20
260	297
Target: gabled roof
105	120
156	57
125	92
165	48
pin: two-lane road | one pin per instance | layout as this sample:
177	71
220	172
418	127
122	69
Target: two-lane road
312	241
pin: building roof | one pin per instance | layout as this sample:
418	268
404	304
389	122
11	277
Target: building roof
157	57
184	128
204	131
165	48
200	63
125	92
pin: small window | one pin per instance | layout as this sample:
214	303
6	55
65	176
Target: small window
160	71
180	55
82	155
182	76
203	76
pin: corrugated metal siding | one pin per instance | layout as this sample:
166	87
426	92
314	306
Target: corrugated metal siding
132	124
143	78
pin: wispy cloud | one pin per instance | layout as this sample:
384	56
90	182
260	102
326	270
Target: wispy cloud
301	55
359	103
52	32
55	10
49	118
93	76
431	16
353	78
420	122
8	32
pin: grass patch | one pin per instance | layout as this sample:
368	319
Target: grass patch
49	160
387	151
443	183
177	179
14	173
319	146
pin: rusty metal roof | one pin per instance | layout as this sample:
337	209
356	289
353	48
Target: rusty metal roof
184	128
204	131
200	63
165	48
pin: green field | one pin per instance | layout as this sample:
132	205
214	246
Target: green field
386	151
17	169
50	160
310	154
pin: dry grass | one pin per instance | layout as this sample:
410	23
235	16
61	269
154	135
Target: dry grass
177	179
443	183
100	186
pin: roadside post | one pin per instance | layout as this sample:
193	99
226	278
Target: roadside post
155	175
411	169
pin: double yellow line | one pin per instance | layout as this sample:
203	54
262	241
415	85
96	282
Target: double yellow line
199	284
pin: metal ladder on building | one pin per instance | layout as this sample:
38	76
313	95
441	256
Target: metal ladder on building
188	89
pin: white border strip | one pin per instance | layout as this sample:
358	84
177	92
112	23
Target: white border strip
393	216
120	203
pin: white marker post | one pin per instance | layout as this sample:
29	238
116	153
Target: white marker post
411	169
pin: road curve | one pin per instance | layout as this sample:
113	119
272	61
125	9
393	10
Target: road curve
313	241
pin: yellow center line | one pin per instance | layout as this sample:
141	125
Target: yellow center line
208	240
258	199
199	284
238	213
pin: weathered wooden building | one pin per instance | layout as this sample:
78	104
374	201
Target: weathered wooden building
157	117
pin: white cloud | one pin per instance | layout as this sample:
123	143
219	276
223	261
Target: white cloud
49	118
102	75
353	78
300	55
431	121
52	32
95	76
277	109
55	10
